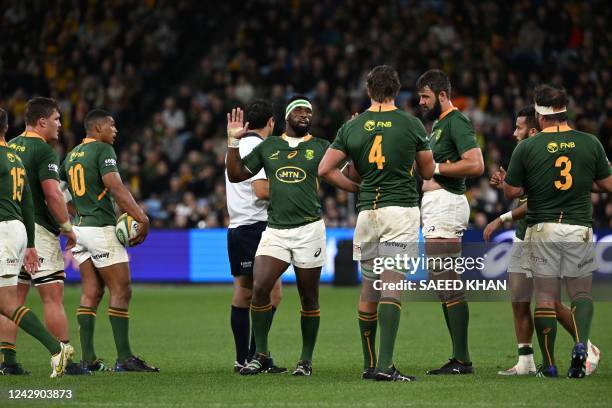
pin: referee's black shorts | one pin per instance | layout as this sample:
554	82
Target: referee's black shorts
242	244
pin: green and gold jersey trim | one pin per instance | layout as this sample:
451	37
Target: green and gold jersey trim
557	129
33	134
446	112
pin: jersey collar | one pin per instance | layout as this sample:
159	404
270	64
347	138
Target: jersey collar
556	129
382	108
31	133
305	138
88	140
446	112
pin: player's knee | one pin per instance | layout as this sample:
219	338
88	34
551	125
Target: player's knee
261	295
449	296
521	309
122	294
310	301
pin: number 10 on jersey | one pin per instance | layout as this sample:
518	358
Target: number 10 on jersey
376	154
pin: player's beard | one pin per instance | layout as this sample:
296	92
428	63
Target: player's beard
298	129
435	112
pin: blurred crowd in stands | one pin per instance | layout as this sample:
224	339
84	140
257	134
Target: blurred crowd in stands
170	70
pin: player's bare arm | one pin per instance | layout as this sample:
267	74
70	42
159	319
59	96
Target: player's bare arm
512	192
261	188
425	164
58	209
470	165
329	171
126	202
236	129
518	213
603	186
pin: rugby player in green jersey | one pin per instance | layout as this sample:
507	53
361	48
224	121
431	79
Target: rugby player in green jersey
42	119
17	249
444	208
556	169
384	143
295	233
519	276
94	183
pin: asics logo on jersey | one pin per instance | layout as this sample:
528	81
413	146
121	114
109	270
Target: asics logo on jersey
552	147
316	254
290	174
309	154
292	154
274	156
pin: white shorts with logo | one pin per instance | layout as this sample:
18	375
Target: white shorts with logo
100	244
50	255
445	214
304	247
518	258
13	242
560	250
378	230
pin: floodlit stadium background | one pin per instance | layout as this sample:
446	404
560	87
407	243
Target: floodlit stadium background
169	71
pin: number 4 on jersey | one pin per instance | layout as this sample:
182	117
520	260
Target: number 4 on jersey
376	154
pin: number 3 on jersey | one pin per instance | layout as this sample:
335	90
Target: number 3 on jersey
77	179
566	165
376	154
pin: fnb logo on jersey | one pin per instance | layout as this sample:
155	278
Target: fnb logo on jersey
76	155
565	146
290	174
20	149
371	125
10	157
552	147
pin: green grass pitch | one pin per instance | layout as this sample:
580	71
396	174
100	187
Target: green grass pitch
185	331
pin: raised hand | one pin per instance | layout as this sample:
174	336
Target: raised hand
236	128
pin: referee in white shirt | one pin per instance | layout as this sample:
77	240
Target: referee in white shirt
248	211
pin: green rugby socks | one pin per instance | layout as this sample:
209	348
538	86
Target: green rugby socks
261	320
545	321
86	318
27	320
458	321
582	316
389	313
368	323
310	327
9	352
120	323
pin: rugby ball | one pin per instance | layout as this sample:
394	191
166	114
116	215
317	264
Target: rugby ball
126	229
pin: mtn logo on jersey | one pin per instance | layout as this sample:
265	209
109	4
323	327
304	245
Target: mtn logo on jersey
290	174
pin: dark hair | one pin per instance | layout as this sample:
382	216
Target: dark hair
258	112
550	96
3	120
528	112
383	83
39	107
436	80
296	97
94	116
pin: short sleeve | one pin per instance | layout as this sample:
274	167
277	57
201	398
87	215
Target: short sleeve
462	133
254	161
246	146
48	165
340	141
421	136
107	160
602	165
516	169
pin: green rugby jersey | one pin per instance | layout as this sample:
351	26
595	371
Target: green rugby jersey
556	168
383	146
15	194
293	176
451	136
41	163
83	169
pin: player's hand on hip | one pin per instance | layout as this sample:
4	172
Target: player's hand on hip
143	231
491	228
236	128
31	263
71	239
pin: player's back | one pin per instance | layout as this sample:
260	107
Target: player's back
12	183
83	168
41	163
561	165
383	147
